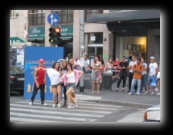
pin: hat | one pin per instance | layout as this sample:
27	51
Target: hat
152	57
41	60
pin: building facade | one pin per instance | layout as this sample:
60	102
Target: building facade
108	33
18	27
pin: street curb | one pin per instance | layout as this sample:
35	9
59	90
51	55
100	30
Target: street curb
131	104
125	103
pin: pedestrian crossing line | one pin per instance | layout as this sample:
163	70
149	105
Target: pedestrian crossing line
56	112
81	106
15	119
78	102
54	117
100	105
60	109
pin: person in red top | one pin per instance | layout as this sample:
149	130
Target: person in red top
39	82
116	67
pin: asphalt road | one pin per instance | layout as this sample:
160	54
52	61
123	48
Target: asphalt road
88	111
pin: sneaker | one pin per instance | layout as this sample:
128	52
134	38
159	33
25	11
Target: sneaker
70	106
117	89
30	103
123	89
59	105
152	93
137	93
43	103
130	93
54	105
76	106
146	92
156	89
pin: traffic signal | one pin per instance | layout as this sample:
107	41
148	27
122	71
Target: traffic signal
52	35
58	35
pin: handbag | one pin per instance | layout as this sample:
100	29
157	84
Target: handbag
109	72
153	83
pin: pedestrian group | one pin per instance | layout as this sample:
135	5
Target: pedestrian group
64	76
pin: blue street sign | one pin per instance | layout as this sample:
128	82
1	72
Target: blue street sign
53	18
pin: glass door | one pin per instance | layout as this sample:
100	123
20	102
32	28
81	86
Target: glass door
99	51
95	50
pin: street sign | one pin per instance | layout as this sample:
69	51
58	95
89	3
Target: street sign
53	18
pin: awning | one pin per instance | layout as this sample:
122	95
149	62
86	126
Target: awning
66	38
14	40
125	15
33	39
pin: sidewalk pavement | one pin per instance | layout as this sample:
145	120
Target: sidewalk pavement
120	98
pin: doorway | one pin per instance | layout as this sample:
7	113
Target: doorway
95	50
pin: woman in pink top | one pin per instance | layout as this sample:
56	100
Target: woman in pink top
71	78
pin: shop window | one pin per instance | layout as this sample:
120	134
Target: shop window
14	13
95	38
65	16
89	12
37	17
128	46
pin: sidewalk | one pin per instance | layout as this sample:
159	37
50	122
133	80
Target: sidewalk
120	97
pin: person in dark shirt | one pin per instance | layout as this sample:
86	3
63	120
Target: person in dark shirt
123	73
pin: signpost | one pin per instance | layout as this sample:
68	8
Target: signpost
53	18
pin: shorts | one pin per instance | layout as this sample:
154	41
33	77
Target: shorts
150	79
55	86
73	85
158	75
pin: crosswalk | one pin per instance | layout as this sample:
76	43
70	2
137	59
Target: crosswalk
86	112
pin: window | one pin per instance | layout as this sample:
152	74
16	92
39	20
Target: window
14	13
95	38
37	17
88	12
65	16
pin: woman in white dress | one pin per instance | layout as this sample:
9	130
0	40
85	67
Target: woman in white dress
54	76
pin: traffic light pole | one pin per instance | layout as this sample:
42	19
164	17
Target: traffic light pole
81	88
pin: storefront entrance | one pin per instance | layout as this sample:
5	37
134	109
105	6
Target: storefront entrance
131	45
95	50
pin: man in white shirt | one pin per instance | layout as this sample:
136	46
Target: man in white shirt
152	73
131	64
77	63
86	64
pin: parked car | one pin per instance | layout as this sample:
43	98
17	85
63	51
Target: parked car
152	114
16	79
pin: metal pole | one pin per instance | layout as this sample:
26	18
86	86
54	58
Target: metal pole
81	88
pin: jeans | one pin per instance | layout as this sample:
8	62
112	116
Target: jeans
134	81
130	81
42	95
122	76
63	89
143	81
